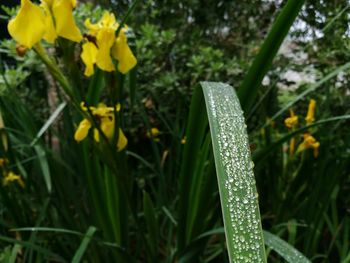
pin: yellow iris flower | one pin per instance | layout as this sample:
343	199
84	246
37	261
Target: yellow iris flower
105	117
52	19
105	45
291	121
310	116
12	177
309	143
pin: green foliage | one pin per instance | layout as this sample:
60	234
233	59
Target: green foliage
158	201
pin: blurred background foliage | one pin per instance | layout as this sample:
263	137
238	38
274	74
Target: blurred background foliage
179	43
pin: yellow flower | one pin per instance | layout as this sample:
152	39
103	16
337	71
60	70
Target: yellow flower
105	117
309	143
11	177
310	117
291	121
154	132
107	46
52	19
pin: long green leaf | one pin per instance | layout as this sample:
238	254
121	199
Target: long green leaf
234	168
82	248
289	253
44	166
251	83
48	123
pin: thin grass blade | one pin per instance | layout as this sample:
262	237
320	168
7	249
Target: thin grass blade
289	253
84	244
48	123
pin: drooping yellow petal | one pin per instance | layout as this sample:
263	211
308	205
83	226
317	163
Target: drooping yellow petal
122	141
50	33
83	130
65	25
310	117
122	52
96	135
107	126
105	40
88	55
28	27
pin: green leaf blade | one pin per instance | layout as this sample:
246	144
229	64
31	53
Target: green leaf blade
262	63
239	198
289	253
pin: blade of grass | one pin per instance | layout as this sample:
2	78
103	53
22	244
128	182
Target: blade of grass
48	123
289	253
16	248
249	88
234	168
84	244
44	166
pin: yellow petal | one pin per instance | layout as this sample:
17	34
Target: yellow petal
122	52
96	135
105	40
50	33
292	146
310	117
65	25
28	27
107	126
88	55
122	141
93	28
83	130
108	21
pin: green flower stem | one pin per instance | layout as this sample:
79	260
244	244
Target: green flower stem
54	70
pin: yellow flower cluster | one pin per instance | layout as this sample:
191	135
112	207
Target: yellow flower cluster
9	176
104	116
54	18
309	142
